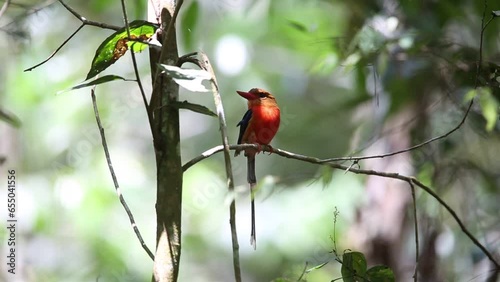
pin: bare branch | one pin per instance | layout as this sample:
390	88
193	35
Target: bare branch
455	216
303	272
418	146
136	69
410	180
417	247
188	58
205	64
483	28
84	23
115	180
88	22
57	50
29	11
4	7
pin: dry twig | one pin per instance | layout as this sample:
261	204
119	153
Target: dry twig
84	23
409	179
136	69
115	180
204	63
4	7
417	247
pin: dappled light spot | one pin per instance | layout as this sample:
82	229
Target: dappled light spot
69	192
231	55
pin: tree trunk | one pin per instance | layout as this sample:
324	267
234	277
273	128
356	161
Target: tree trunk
167	148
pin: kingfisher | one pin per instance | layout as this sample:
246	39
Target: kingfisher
258	126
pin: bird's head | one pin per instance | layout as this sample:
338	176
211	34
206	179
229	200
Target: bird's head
257	96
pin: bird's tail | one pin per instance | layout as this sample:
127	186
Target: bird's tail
252	180
253	236
251	170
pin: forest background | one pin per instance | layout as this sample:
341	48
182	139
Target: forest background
355	78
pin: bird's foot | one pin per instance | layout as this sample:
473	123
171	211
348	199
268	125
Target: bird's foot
259	147
267	148
270	148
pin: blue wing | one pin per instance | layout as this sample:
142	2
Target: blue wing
243	124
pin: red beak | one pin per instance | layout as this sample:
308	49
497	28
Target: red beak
248	95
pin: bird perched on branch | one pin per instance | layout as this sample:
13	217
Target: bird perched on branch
258	126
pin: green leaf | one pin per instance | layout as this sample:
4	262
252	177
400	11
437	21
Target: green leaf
353	267
489	105
100	80
117	44
188	23
471	94
194	107
9	118
190	79
380	273
326	175
489	108
316	267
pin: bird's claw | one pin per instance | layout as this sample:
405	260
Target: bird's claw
267	148
270	149
259	148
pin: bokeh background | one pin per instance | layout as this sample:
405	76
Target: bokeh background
351	78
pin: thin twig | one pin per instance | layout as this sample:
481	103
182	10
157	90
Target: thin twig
313	160
334	237
392	130
303	272
115	180
457	219
188	58
205	64
407	149
30	11
375	84
88	22
84	23
483	28
136	69
4	7
417	247
57	50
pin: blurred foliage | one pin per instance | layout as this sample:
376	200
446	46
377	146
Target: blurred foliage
340	71
9	118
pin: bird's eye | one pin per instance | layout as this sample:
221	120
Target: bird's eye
262	95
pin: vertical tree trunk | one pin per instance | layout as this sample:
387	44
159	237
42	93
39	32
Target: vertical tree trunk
167	148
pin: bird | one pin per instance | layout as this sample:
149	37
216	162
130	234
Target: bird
258	126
